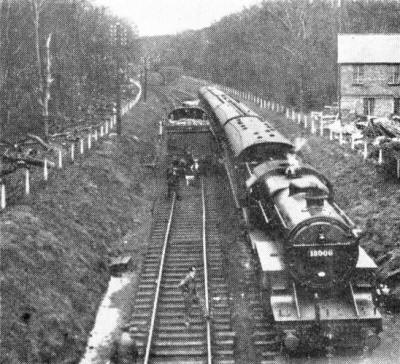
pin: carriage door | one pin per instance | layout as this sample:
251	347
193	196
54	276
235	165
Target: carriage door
396	106
369	105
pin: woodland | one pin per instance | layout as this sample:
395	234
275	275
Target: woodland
285	50
58	61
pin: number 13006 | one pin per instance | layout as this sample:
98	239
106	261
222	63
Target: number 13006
321	253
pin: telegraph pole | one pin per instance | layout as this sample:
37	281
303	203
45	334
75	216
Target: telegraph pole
119	36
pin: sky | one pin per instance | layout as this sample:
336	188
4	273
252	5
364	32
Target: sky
158	17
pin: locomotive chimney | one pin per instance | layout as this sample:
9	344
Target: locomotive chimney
292	169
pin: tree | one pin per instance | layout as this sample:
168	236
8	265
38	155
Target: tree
43	66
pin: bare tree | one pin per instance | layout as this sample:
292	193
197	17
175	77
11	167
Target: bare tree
43	66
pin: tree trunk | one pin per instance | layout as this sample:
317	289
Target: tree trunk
44	79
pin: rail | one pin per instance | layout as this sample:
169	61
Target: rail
204	236
154	309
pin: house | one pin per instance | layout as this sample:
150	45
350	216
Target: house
369	74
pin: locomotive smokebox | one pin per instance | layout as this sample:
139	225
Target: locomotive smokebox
322	253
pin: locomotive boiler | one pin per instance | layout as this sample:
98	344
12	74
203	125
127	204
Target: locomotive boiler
315	278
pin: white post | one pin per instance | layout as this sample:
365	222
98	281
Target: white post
330	134
312	125
72	152
293	115
101	131
321	131
160	128
81	146
269	104
3	197
341	136
60	159
398	168
27	186
365	154
45	170
287	113
106	127
89	141
380	157
95	135
299	118
305	121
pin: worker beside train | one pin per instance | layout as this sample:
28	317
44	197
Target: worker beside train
173	177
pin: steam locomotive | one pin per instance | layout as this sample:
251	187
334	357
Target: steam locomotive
316	280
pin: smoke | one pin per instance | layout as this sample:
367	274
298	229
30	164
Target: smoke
299	143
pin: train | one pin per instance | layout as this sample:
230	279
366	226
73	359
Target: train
316	281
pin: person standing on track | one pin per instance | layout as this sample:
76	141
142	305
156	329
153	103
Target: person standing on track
190	295
173	182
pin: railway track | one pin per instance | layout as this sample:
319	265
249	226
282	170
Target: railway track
184	234
166	98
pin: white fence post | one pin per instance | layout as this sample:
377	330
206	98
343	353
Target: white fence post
106	128
101	131
60	161
45	170
321	131
312	125
89	141
299	118
352	142
365	153
72	152
398	168
3	197
160	128
341	135
95	135
330	134
380	157
305	121
81	146
27	182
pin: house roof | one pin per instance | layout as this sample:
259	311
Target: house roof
369	48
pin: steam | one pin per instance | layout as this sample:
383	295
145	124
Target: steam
292	160
299	143
291	170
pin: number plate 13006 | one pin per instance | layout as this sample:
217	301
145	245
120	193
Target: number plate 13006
314	253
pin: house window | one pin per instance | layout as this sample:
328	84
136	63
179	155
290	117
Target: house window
358	74
396	106
394	75
369	105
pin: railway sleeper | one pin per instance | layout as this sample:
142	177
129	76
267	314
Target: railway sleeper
270	355
178	352
270	344
264	335
180	335
181	361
